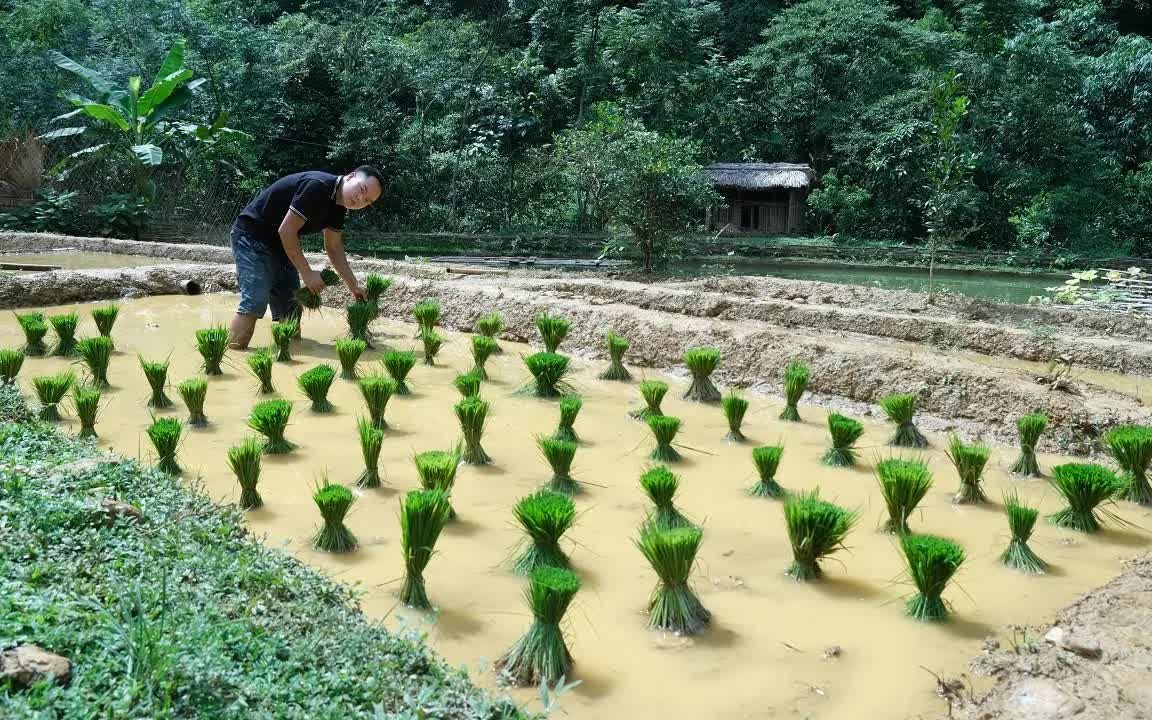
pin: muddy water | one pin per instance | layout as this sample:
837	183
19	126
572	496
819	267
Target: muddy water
75	260
765	656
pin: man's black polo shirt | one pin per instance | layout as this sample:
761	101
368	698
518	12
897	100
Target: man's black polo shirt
311	195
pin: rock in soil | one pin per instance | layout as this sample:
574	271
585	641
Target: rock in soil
116	509
26	665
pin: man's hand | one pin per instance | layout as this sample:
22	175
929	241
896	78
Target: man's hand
357	291
313	281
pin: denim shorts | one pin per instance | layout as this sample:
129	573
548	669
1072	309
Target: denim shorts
266	278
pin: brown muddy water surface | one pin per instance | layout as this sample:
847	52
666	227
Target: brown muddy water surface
765	655
76	260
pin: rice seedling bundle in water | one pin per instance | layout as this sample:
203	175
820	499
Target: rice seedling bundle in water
375	286
315	383
349	352
569	408
617	346
471	412
1131	447
65	328
816	529
432	342
845	432
701	363
10	363
468	384
244	459
559	455
1030	428
371	441
767	461
282	335
661	484
260	365
1021	520
437	471
969	461
734	407
334	501
796	377
193	392
87	402
213	345
50	390
377	390
399	363
35	329
490	326
427	315
156	373
1085	487
360	315
553	329
96	354
664	429
423	514
541	656
483	347
308	299
548	373
105	317
901	409
545	516
672	553
165	435
270	419
652	392
931	561
903	483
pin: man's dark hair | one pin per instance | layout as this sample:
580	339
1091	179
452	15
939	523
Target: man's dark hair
372	172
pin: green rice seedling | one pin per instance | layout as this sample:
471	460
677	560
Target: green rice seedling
1021	520
569	408
96	354
50	390
399	363
767	461
559	454
490	326
548	373
360	315
245	459
483	347
260	365
65	328
664	429
34	327
816	529
1131	447
87	402
10	363
377	390
653	392
468	384
553	329
932	561
796	377
349	352
701	362
375	286
432	342
660	485
541	657
423	514
213	345
969	461
308	299
1030	427
471	412
437	471
1085	487
427	314
845	432
901	409
545	516
734	407
270	419
192	392
334	501
156	373
165	434
903	483
672	553
315	383
617	346
282	335
371	441
105	317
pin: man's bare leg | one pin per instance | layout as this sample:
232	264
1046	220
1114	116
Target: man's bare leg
243	327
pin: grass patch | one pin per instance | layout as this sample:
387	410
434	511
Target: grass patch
796	377
931	562
308	299
156	373
349	352
903	484
423	514
541	656
35	330
105	317
399	363
427	315
10	363
483	347
617	346
96	354
371	441
490	326
652	392
545	516
270	419
660	485
65	328
260	365
360	315
673	607
1021	520
559	455
165	434
432	342
767	462
377	390
245	459
212	344
969	461
701	363
548	372
334	501
845	432
664	429
816	530
734	407
282	335
472	412
553	330
437	471
1085	487
50	390
1030	427
315	383
375	286
1131	447
86	400
467	384
193	392
569	408
900	408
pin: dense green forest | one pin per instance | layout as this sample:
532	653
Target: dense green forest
1012	124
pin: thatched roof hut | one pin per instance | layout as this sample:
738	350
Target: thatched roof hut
759	176
760	197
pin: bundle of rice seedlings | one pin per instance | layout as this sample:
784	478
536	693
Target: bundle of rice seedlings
548	373
375	286
437	471
653	392
559	454
1131	447
672	553
661	484
87	402
192	392
569	408
165	434
244	459
468	384
50	390
156	373
282	335
270	419
371	441
541	656
260	365
553	329
767	461
35	329
213	344
427	314
10	363
360	315
1021	520
96	354
932	561
349	352
816	529
845	432
432	342
483	347
490	326
315	383
1085	486
969	461
900	409
399	363
1030	427
545	516
903	483
471	412
333	500
701	362
735	407
377	391
307	298
617	346
423	514
65	329
664	429
796	377
105	317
